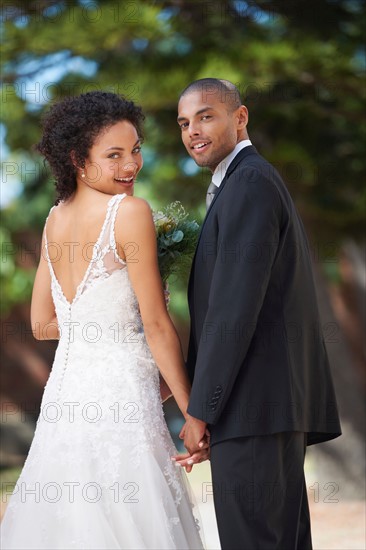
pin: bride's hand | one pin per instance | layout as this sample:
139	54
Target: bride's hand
187	460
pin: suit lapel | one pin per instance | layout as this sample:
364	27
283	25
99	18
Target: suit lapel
250	150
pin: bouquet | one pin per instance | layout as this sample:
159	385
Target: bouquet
177	238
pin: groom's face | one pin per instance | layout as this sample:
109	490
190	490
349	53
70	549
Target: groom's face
209	127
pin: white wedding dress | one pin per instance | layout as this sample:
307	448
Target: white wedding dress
98	474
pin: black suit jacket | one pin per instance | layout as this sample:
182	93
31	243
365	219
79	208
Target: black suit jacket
256	358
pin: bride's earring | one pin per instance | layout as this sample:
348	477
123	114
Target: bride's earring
83	174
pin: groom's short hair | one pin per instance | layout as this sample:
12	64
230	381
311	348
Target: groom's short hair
227	91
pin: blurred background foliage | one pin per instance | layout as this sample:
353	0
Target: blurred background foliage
298	66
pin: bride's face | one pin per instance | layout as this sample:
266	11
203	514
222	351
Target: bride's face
114	160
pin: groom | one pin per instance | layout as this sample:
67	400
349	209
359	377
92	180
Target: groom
260	375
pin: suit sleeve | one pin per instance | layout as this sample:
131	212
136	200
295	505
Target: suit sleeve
248	240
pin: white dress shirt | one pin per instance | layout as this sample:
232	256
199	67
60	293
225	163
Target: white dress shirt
222	167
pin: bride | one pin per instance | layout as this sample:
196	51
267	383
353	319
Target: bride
99	473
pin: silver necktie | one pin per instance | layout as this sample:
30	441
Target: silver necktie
211	191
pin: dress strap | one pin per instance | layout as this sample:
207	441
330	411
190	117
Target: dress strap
45	223
112	238
45	236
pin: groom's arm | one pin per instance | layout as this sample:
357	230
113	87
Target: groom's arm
249	228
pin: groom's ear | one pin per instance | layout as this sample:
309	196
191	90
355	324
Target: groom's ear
242	117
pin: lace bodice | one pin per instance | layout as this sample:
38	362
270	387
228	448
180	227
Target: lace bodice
105	259
107	271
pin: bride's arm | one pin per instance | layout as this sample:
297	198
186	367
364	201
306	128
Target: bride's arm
43	315
135	234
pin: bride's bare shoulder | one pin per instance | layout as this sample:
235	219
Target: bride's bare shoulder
134	219
134	206
131	203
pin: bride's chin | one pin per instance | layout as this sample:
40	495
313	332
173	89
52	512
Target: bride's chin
128	189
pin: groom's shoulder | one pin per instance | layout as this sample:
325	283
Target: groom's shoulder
256	180
253	168
257	173
255	162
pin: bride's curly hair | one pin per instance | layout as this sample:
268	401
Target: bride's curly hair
71	127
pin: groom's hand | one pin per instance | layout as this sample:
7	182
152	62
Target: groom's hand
194	431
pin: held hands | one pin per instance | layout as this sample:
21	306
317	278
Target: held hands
187	460
197	442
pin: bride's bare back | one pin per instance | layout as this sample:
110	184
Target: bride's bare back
73	229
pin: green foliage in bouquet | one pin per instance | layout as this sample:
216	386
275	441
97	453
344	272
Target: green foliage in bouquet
177	238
